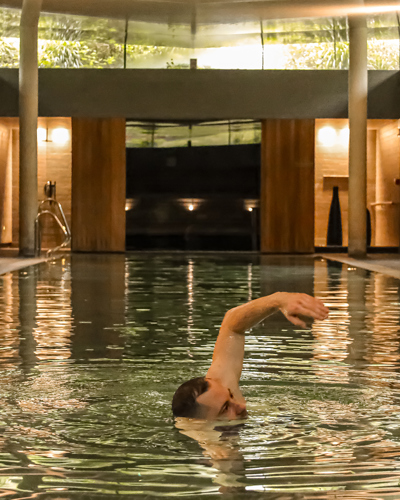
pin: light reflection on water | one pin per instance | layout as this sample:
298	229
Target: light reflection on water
93	347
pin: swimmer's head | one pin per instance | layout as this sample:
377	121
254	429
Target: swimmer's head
207	399
184	402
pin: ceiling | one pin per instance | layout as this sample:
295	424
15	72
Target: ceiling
210	11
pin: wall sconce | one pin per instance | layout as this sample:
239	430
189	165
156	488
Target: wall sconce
344	136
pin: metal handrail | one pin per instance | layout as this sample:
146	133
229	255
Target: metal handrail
62	223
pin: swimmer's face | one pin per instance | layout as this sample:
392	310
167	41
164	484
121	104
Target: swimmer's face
218	403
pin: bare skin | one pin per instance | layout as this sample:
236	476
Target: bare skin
224	400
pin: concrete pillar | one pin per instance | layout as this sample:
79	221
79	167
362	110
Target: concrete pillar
358	91
28	116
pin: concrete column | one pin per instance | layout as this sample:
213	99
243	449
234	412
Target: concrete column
28	116
358	91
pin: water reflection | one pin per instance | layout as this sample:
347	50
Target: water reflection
93	347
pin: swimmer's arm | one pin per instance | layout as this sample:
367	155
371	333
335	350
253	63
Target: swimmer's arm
293	305
229	348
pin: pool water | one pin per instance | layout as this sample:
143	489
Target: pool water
93	347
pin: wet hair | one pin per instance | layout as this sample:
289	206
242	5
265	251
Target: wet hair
184	402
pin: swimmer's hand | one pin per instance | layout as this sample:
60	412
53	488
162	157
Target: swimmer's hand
298	306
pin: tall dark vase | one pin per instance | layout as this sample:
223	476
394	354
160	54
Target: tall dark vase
334	236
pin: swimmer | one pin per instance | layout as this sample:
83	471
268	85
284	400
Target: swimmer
217	396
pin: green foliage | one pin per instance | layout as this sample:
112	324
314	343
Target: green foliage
319	56
9	55
383	54
64	54
9	23
172	65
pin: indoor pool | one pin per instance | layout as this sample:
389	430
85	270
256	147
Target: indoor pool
93	347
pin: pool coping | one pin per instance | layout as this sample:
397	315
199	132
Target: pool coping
10	264
388	265
385	264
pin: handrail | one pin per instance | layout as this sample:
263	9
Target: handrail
380	203
63	224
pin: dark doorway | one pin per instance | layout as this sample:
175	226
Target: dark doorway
193	198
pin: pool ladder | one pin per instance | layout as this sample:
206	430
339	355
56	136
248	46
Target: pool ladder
50	206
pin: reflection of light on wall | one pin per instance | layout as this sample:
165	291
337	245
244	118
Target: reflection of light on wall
60	135
344	135
41	134
327	136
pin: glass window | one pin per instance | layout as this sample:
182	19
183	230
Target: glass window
9	37
221	46
310	44
165	135
76	41
86	42
383	41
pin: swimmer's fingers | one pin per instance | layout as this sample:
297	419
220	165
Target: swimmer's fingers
313	308
296	321
300	304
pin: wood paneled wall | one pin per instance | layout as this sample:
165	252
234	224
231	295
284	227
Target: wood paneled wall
98	185
287	186
5	185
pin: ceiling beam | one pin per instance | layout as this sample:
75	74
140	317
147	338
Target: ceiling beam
208	12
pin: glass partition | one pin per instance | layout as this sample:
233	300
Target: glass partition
220	133
80	42
219	46
87	42
9	38
383	41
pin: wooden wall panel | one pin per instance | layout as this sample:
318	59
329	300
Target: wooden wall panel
387	214
5	186
287	186
98	185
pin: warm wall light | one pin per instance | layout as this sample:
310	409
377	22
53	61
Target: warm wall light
344	135
130	203
60	135
41	134
190	203
250	205
327	136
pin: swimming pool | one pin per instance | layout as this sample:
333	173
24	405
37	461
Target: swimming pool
93	347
